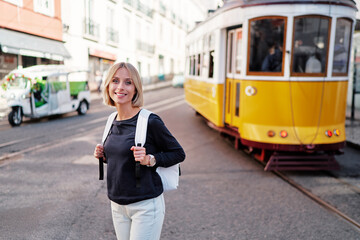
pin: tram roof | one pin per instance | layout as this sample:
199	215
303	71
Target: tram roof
230	4
249	3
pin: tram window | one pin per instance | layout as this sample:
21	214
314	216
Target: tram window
310	45
211	64
229	96
230	51
266	44
205	60
237	99
198	66
190	61
194	65
238	59
342	46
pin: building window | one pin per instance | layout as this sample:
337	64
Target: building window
310	46
111	33
342	46
45	7
91	28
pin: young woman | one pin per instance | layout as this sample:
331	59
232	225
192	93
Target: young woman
137	205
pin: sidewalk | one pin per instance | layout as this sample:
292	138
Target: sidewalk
352	128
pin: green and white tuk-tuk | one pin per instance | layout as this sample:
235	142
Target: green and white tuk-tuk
46	90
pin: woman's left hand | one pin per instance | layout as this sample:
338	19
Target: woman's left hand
140	155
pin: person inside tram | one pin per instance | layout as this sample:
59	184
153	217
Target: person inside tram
313	64
299	56
273	61
340	56
307	57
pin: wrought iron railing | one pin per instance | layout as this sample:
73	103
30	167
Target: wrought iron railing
91	28
112	35
145	47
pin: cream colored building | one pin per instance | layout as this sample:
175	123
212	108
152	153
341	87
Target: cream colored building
150	34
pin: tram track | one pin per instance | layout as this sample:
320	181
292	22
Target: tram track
308	192
320	201
354	188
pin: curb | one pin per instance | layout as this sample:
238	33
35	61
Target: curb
353	145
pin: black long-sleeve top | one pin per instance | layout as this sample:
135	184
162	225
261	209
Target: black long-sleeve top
121	180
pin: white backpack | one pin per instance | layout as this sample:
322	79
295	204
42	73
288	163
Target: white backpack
169	175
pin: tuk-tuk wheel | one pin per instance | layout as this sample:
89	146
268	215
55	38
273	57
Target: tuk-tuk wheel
15	117
83	107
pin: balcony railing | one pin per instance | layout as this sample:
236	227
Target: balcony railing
140	7
162	8
91	28
145	47
144	9
112	35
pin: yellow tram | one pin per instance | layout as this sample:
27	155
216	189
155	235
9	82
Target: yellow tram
274	75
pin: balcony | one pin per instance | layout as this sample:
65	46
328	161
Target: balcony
162	9
140	7
145	47
112	35
91	29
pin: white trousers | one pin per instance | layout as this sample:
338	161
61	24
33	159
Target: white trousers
139	221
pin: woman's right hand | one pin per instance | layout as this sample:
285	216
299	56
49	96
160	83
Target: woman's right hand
99	151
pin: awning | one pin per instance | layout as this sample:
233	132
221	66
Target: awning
28	45
102	54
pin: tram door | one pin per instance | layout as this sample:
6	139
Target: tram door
233	66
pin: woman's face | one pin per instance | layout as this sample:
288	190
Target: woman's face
121	87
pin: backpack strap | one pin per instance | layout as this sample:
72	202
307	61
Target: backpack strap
141	127
140	138
105	135
108	125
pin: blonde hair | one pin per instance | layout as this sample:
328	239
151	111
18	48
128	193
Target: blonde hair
138	99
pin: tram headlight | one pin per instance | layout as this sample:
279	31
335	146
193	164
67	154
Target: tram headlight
271	133
336	132
283	134
328	133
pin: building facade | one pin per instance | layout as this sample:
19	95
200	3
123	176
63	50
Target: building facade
30	34
149	34
93	34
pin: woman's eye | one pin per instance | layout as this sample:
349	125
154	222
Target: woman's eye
115	80
128	82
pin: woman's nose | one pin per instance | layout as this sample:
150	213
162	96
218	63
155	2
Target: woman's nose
121	85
